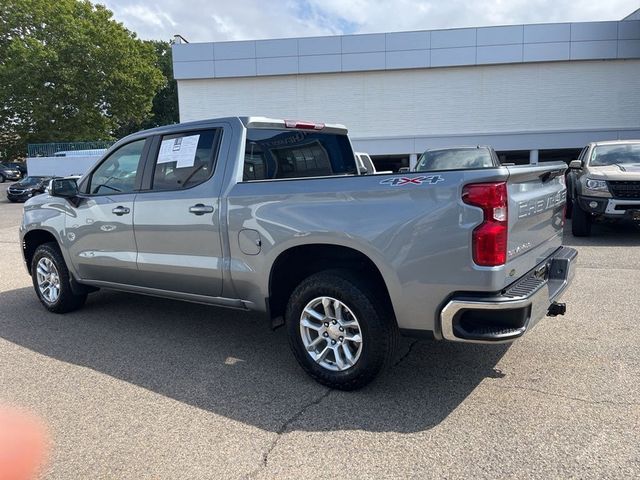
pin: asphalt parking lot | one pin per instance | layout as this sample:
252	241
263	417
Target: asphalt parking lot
138	387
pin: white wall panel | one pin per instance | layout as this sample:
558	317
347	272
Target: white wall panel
533	97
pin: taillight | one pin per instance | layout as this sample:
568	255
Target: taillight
490	237
303	125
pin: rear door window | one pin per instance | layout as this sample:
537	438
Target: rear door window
280	154
185	159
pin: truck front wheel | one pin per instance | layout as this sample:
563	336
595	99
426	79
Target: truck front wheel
52	280
340	332
580	221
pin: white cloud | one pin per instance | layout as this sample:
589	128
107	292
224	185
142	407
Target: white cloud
216	20
205	20
382	15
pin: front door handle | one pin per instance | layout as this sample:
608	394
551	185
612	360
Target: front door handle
200	209
120	211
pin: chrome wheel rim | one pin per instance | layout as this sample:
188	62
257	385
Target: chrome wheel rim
48	280
331	334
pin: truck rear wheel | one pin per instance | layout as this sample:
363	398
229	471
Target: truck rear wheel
340	332
52	280
580	221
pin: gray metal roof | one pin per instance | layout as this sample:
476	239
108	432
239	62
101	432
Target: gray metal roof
635	15
409	50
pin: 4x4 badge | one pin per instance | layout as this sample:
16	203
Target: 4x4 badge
399	181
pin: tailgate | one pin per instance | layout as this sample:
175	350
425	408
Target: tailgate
537	196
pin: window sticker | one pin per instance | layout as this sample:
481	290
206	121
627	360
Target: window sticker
181	150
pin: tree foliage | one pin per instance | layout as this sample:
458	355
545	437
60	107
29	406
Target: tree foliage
69	72
164	110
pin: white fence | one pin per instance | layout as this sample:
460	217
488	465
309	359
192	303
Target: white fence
60	166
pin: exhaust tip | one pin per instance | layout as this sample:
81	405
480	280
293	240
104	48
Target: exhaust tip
556	309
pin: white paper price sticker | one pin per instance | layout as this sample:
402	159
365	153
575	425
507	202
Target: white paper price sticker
181	150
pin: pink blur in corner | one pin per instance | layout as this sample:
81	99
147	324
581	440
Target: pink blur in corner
24	444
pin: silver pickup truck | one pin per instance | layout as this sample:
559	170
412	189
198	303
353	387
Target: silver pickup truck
269	215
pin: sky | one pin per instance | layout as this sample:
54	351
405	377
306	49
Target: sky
219	20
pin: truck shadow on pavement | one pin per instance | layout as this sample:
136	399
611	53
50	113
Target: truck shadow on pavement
605	234
231	364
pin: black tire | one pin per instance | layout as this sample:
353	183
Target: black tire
66	301
2	179
569	212
580	222
378	328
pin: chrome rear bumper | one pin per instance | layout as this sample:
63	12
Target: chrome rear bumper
507	315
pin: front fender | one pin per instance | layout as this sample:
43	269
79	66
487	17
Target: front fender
47	214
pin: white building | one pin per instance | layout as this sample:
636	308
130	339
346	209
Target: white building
534	92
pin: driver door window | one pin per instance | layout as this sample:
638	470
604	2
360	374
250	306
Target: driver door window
117	174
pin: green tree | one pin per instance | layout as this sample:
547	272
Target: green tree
164	110
69	72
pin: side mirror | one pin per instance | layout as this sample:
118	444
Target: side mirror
404	170
63	187
575	164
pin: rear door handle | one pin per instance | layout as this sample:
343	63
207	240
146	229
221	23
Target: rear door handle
200	209
120	211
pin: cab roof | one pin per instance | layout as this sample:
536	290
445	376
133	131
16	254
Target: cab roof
615	142
248	122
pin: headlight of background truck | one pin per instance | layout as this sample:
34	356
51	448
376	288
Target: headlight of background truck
596	187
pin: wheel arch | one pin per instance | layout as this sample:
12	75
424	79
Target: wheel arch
296	263
32	240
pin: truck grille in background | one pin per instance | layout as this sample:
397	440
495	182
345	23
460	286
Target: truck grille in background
625	189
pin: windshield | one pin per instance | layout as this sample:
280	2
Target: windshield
605	155
31	181
454	159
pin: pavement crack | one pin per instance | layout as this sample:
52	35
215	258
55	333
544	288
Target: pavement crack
566	397
283	430
408	352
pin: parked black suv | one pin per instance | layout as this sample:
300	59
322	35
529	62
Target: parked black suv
26	188
12	171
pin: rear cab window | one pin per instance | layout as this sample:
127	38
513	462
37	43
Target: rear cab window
272	154
455	159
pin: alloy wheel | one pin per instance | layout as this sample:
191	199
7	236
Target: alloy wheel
331	333
48	280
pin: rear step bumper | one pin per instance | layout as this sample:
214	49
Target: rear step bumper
507	315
